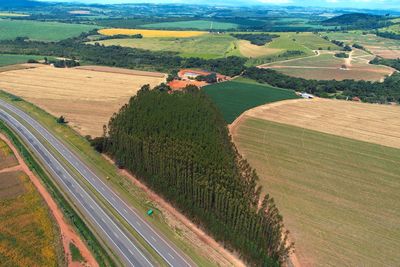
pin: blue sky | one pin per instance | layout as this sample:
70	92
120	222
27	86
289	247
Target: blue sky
373	4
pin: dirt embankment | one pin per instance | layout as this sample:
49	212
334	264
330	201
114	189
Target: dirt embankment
68	235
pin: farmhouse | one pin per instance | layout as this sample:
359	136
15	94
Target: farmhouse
198	78
189	74
306	96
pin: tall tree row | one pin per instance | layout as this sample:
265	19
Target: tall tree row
179	145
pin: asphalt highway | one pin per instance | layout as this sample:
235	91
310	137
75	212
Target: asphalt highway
123	245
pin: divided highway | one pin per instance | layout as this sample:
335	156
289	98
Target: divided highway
117	239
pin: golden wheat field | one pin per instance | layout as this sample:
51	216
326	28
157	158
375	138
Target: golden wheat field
151	33
86	97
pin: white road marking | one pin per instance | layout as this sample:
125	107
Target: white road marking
171	256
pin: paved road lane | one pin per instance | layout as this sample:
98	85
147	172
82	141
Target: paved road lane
159	243
115	237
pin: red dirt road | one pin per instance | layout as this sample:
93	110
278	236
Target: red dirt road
68	234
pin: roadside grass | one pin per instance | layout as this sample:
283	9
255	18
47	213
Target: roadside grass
100	253
109	172
206	46
7	157
7	59
236	96
29	236
42	31
75	253
192	24
339	197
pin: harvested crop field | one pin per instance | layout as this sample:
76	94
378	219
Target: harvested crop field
123	71
28	234
333	192
86	98
383	47
325	66
150	33
247	49
374	123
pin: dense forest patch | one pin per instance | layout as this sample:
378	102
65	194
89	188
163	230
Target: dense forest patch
179	145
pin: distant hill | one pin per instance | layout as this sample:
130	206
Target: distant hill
9	4
353	18
361	21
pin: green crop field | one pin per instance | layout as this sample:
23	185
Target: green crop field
192	24
16	59
236	96
37	30
339	197
205	46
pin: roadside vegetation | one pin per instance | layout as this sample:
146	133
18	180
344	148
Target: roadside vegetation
102	257
29	236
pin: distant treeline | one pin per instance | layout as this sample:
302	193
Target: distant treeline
179	145
394	63
389	35
373	92
256	39
170	62
118	36
120	56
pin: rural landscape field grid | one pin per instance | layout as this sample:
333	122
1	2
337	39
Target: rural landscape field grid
199	134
